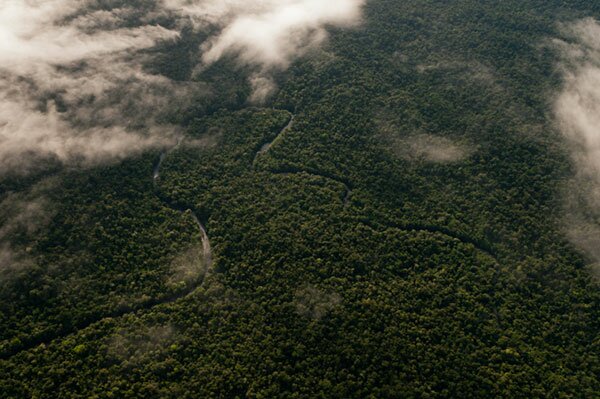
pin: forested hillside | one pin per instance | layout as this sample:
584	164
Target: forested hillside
390	223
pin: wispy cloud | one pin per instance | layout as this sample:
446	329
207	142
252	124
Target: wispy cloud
22	217
314	303
62	66
429	148
273	33
577	110
266	34
72	82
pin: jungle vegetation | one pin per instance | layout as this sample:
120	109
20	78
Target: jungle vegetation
402	238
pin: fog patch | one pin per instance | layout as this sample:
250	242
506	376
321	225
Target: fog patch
72	86
462	70
14	264
23	217
271	33
314	303
266	34
417	146
210	138
577	112
24	214
428	148
262	88
138	343
187	267
583	230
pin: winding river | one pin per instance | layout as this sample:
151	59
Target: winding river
65	331
267	146
207	251
205	241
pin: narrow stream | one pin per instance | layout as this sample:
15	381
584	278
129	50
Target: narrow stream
207	250
206	247
267	146
127	309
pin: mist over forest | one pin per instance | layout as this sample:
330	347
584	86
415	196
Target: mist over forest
299	198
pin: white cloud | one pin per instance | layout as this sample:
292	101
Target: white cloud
32	36
272	35
262	88
37	52
268	34
72	86
577	111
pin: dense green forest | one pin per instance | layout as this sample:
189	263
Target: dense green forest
388	225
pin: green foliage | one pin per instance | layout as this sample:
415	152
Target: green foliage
344	265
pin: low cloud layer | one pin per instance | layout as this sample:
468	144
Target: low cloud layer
429	148
138	343
272	33
22	217
187	267
72	83
63	64
314	303
417	146
266	35
577	111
